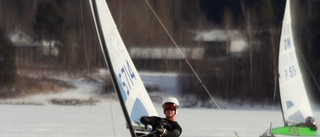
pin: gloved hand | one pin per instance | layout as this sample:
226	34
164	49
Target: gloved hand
162	131
144	121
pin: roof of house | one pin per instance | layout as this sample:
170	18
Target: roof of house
217	35
237	41
19	38
166	53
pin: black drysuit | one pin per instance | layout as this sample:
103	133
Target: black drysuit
173	129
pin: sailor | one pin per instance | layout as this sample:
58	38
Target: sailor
164	127
309	123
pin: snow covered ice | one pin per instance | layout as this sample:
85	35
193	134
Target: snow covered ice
105	119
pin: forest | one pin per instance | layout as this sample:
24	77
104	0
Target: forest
251	77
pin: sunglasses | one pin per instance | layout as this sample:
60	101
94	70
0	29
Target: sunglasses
169	106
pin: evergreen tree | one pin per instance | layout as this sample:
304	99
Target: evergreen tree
50	25
7	61
49	22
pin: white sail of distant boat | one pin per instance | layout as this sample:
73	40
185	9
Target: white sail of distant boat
134	99
294	100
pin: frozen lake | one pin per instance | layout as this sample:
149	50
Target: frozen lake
106	120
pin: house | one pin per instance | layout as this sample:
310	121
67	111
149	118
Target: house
29	51
194	53
26	48
219	43
215	44
49	48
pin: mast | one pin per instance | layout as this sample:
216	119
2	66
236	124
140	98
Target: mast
109	64
278	74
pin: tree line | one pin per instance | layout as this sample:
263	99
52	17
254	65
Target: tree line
249	77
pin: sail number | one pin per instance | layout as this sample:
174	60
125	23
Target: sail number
287	43
290	72
293	130
127	77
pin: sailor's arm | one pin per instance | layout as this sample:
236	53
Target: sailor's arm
147	120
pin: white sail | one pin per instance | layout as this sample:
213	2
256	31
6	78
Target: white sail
133	93
294	99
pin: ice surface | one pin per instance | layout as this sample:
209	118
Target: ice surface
105	119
